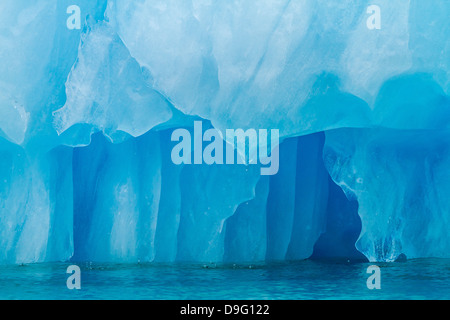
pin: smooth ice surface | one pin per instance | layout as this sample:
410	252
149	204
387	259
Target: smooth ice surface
108	89
401	191
86	118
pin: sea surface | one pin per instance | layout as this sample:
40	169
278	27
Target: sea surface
413	279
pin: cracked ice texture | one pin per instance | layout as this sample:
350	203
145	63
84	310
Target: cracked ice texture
138	69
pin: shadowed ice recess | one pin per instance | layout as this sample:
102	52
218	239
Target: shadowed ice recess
86	118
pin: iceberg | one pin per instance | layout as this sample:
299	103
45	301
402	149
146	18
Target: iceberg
86	118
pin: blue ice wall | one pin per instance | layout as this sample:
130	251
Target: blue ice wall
86	118
36	212
401	191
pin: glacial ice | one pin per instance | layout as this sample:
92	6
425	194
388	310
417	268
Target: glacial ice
411	168
86	118
104	76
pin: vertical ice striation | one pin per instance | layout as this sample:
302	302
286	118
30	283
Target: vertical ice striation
281	202
166	236
36	54
246	230
210	194
311	197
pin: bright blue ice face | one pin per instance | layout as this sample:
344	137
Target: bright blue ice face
359	94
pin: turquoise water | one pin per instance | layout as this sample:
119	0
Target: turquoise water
414	279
